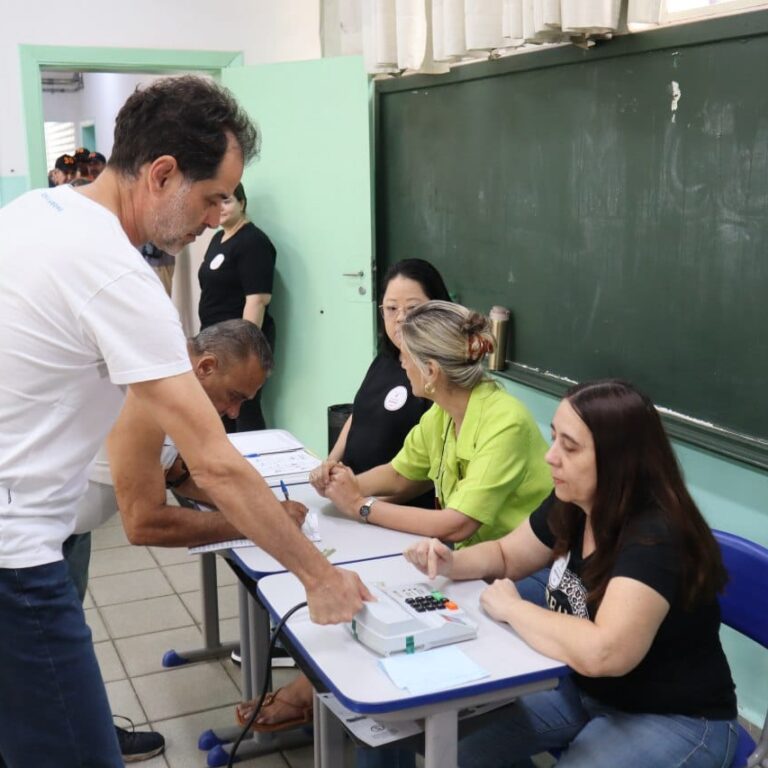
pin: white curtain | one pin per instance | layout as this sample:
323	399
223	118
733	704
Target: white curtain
412	35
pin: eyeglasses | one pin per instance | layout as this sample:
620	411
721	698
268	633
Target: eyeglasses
391	311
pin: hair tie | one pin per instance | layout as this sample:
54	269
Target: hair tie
477	346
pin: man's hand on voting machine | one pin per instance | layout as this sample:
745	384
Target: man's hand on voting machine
337	597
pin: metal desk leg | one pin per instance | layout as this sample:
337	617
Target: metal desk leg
212	646
441	733
258	645
254	646
329	737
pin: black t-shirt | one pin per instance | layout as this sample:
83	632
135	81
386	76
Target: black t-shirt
685	671
384	412
242	265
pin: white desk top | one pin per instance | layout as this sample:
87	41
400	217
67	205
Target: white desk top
351	671
350	539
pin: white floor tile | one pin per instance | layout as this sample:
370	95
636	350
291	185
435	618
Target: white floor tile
143	655
228	605
123	701
229	630
122	588
107	537
185	690
105	562
109	662
172	555
150	615
93	620
226	576
184	577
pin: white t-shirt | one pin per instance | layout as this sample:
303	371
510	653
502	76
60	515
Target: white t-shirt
81	316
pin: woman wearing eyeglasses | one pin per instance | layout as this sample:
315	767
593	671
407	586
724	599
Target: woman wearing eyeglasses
385	409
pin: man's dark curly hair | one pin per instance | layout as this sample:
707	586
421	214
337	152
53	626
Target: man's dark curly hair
187	117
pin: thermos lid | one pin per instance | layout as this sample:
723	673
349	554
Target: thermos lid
499	313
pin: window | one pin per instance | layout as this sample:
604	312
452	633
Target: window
681	10
59	140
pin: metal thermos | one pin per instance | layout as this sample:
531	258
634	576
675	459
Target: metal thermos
499	317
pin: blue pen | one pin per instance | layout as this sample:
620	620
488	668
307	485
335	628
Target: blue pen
284	489
250	455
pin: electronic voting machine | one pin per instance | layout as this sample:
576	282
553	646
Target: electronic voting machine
410	617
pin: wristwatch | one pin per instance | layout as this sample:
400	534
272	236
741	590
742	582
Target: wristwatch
365	510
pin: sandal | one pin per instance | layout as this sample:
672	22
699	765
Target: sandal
303	716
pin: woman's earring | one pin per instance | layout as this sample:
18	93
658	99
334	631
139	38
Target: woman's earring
429	388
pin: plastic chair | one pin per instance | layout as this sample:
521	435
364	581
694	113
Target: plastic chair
743	608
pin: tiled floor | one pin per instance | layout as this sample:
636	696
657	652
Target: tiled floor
143	601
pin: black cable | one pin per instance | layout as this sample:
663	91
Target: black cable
273	640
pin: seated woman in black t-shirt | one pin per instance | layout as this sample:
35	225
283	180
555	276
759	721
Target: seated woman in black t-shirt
384	412
632	602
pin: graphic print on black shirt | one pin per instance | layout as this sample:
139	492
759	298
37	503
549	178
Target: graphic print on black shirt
565	591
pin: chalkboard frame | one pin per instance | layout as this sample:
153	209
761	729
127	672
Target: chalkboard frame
722	441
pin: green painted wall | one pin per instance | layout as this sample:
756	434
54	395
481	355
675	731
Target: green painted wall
11	187
732	497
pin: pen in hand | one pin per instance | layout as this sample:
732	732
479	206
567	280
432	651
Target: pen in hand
284	489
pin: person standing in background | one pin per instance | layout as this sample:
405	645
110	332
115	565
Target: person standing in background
96	164
63	170
236	279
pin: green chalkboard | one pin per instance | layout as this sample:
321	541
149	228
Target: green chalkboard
616	199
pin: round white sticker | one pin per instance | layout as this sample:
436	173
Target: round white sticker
557	571
217	261
396	398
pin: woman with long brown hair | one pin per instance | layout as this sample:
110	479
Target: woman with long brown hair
631	601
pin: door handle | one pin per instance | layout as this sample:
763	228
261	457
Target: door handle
353	274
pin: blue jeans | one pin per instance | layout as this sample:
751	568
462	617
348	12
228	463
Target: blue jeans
593	735
54	711
532	587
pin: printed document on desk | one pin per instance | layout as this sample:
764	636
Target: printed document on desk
292	466
276	454
264	441
310	529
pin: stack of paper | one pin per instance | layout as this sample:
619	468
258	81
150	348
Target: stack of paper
433	670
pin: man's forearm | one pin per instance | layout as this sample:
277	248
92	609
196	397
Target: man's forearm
171	526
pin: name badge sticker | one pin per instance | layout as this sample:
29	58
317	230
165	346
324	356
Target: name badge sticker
396	398
217	261
557	571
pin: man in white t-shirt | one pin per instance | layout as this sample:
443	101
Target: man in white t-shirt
81	319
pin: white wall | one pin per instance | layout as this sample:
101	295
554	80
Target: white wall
101	98
99	102
264	30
